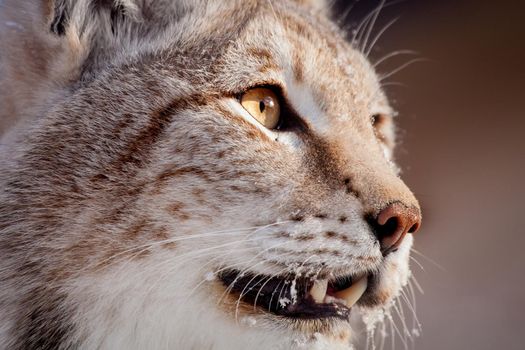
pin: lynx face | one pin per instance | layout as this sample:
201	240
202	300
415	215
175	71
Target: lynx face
201	174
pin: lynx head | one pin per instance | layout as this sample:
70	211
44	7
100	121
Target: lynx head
195	174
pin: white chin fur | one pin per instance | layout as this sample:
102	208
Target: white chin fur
136	311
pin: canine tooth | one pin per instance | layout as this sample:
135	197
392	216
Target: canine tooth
352	294
318	290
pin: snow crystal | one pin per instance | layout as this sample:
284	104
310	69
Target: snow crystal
248	321
284	301
416	332
300	343
210	276
321	342
293	292
373	317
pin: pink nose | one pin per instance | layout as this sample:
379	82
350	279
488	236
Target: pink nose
393	223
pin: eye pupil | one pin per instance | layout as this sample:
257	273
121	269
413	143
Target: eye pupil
263	105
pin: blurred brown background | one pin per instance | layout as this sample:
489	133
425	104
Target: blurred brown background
462	120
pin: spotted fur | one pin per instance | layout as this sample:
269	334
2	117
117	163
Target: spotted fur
130	170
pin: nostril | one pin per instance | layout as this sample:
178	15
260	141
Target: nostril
414	228
390	234
389	227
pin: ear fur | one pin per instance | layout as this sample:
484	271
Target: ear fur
82	15
65	30
45	45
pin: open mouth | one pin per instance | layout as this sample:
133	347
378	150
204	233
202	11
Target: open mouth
296	297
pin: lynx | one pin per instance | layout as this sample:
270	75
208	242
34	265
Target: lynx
193	174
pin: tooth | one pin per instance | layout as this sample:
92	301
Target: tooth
352	294
318	290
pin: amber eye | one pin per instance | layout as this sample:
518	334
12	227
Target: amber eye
263	105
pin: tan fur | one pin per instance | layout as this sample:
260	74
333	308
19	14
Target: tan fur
124	147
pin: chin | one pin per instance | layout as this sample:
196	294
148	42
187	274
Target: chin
296	311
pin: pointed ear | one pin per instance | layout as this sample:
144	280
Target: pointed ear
64	31
45	46
83	15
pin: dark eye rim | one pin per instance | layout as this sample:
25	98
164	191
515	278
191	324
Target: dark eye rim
379	122
289	119
381	119
377	119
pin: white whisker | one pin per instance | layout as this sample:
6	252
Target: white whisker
392	332
393	83
418	286
414	306
228	290
264	284
178	261
395	327
217	272
247	284
394	54
344	16
372	24
378	36
273	293
198	254
382	335
146	246
195	236
401	313
412	309
400	68
359	29
417	263
429	260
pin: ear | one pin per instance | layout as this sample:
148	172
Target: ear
82	15
45	46
62	32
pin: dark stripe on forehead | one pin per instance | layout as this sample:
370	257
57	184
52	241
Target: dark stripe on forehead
260	53
265	57
298	66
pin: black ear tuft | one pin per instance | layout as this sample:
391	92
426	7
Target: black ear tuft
117	15
60	18
110	13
